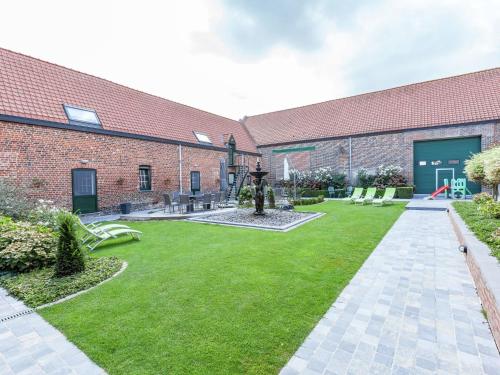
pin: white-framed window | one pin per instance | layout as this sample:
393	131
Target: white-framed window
144	178
203	138
81	116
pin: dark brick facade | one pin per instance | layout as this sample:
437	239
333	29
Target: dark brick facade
372	150
40	160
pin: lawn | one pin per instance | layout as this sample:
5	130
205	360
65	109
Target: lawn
206	299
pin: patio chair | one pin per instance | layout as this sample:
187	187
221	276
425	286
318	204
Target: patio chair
355	195
169	203
368	198
92	228
331	191
207	201
98	236
387	198
348	191
184	202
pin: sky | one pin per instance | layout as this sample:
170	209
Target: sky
237	58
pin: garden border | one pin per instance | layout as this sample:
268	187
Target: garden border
485	270
283	228
71	296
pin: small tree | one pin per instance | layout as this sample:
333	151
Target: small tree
69	258
484	168
270	197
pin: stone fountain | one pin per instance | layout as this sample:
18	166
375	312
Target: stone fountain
259	189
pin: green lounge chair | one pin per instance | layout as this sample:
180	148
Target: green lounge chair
387	198
356	194
90	229
368	198
98	236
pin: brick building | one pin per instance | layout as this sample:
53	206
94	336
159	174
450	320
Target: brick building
429	129
90	144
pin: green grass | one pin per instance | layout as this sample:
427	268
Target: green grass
481	225
207	299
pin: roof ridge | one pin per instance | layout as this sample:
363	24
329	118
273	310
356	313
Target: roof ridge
373	92
115	83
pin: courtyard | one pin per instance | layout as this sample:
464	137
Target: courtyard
361	289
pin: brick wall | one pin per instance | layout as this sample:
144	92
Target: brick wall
30	154
371	151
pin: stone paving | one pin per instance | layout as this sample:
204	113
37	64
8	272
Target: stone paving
30	346
411	309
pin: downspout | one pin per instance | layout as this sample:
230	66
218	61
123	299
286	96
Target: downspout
350	160
180	168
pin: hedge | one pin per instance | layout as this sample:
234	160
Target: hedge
313	193
404	192
339	193
308	201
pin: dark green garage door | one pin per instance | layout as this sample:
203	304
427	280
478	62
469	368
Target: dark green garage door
433	161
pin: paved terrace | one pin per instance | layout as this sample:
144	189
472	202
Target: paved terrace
411	309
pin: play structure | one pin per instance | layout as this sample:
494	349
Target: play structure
456	190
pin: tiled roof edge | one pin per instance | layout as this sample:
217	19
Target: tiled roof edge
64	126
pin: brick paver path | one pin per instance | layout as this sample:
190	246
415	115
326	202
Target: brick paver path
31	346
411	309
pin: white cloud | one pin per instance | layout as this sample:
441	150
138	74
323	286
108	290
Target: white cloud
176	49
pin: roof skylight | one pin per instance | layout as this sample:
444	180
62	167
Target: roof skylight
81	116
202	138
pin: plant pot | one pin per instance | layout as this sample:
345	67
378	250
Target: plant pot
125	208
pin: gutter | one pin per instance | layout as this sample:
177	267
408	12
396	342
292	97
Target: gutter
113	133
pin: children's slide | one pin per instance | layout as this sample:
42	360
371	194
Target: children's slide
438	191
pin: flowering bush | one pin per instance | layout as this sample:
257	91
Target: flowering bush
13	200
389	175
44	213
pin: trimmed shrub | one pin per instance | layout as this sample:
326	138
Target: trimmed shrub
245	197
365	180
308	201
270	197
24	247
404	192
490	208
482	198
70	258
313	193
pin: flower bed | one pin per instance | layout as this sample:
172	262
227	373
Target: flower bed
40	286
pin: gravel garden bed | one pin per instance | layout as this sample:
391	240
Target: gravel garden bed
274	219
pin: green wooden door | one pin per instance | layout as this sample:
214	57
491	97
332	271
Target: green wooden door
433	161
195	182
84	190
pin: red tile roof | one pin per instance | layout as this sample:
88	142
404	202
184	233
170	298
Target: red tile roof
461	99
37	89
